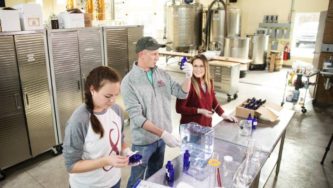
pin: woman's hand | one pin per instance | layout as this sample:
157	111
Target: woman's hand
205	112
117	161
229	118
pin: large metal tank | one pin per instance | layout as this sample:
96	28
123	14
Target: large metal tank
237	47
183	26
259	49
233	15
218	26
217	29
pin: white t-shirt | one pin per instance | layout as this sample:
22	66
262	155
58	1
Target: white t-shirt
96	147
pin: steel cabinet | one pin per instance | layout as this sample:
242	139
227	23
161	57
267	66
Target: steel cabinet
73	54
119	45
26	119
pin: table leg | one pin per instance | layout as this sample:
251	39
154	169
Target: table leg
280	153
327	149
255	183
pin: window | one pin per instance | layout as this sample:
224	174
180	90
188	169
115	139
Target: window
304	34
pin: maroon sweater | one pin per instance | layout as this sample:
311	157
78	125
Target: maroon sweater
188	107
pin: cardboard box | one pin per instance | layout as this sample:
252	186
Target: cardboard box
31	16
10	20
71	20
267	111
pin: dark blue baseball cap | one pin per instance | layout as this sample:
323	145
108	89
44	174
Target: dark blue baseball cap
147	43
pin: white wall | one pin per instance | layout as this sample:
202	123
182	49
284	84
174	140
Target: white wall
253	11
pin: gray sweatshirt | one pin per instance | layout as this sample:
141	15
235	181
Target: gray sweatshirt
146	101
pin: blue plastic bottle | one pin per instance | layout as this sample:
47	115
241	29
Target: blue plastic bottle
186	161
170	174
249	118
182	62
254	123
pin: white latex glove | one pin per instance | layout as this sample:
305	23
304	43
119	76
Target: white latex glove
188	69
229	118
170	140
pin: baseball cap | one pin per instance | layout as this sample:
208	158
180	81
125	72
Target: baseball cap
147	43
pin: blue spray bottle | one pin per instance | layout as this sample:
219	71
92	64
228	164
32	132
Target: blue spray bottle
170	174
249	119
182	62
186	161
254	123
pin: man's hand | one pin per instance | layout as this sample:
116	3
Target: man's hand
188	69
170	140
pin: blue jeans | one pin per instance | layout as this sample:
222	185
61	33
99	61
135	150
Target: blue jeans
117	185
152	161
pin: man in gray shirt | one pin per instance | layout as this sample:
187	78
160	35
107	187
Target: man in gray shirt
147	92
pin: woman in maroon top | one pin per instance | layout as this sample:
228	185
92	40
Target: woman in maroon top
201	102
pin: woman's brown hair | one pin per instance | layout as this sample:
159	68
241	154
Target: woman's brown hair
96	79
206	76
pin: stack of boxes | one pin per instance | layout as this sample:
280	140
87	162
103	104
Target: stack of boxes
71	19
22	17
31	16
10	20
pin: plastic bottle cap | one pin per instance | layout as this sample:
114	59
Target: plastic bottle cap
214	162
227	158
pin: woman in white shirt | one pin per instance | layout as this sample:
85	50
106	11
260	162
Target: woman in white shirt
94	148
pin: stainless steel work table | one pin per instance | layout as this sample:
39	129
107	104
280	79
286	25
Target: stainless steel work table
222	148
266	136
228	141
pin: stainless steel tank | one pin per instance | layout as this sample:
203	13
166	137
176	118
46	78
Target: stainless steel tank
217	29
259	49
237	47
233	15
183	26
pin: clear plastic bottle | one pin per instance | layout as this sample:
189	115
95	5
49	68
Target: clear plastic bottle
227	168
214	171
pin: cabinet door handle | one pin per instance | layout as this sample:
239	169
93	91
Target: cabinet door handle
18	106
27	99
78	85
84	81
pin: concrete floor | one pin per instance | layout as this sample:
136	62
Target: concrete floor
306	139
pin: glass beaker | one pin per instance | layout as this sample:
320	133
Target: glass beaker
245	128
